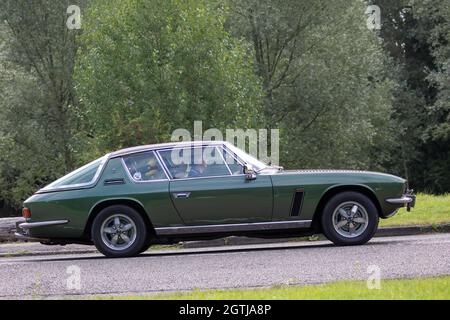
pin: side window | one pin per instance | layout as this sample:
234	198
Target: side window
194	162
144	167
235	166
80	177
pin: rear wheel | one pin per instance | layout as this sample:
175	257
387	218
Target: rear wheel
349	218
119	231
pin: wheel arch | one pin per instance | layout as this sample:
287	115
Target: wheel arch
132	203
334	190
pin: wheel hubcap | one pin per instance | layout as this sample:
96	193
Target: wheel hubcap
350	219
118	232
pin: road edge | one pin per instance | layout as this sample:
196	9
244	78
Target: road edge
236	241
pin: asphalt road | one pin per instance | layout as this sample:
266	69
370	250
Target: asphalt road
224	267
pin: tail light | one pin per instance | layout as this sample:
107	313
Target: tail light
26	213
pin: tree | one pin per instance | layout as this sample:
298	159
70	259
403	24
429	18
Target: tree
147	67
324	78
39	133
416	35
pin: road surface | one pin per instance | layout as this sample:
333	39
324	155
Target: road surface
222	267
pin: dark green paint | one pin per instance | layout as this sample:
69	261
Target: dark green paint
215	200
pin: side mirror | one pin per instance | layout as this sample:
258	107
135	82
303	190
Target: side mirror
250	174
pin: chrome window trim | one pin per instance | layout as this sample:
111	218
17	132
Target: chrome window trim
234	156
193	147
166	146
229	147
143	181
223	159
168	174
209	177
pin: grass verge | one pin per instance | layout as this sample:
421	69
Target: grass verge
400	289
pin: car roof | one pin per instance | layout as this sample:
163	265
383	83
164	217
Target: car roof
159	146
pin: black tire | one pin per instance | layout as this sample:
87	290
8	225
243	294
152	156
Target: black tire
147	245
139	232
343	199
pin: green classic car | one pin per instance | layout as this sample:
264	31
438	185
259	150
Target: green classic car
165	193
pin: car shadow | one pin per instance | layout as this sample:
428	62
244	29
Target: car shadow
206	251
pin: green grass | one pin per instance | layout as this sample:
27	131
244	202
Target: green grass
416	289
429	209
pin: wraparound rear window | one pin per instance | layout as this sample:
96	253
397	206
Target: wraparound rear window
84	176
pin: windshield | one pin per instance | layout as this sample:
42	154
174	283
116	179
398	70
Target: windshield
83	176
248	159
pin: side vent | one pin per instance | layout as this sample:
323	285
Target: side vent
111	182
297	202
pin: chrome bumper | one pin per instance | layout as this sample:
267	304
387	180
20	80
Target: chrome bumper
32	225
407	200
22	229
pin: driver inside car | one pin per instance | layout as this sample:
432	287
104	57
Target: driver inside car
153	170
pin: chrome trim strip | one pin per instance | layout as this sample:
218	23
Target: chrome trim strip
165	146
223	159
257	226
32	225
233	155
166	169
209	177
403	200
163	165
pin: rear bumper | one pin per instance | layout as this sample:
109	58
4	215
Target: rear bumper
407	200
23	228
32	225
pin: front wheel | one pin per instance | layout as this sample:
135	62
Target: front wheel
349	218
119	231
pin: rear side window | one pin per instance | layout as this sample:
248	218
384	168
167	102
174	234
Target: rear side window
144	167
83	176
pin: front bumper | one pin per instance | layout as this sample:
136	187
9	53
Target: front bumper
407	200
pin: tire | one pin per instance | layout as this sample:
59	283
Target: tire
119	231
343	224
147	245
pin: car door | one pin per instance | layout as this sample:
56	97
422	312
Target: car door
205	191
149	185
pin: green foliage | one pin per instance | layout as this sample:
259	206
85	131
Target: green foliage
324	77
39	134
416	34
342	96
147	67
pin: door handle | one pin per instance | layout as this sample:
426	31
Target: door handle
182	195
